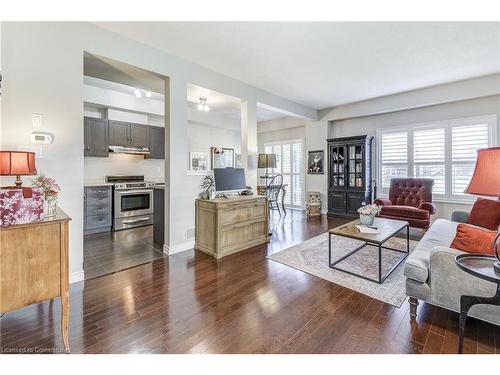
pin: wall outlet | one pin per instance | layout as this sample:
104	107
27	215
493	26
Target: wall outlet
36	149
190	233
37	120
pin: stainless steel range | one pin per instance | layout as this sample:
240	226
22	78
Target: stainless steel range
132	201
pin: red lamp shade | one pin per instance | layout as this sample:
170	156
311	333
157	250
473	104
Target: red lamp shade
17	163
486	177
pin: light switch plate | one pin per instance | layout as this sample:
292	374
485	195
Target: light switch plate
37	120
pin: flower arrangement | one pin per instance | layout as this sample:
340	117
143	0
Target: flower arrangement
218	150
369	209
47	184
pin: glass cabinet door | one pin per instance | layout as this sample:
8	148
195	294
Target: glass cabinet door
337	166
355	166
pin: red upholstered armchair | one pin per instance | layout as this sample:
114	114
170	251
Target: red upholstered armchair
410	199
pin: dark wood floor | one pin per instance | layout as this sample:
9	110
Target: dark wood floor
109	252
191	303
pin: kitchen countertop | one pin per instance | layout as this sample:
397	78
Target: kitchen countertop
96	183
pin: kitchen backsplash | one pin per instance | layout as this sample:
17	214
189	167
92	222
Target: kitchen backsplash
97	168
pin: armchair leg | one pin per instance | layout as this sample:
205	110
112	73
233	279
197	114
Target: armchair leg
413	307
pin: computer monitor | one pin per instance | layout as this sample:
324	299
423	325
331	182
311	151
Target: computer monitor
229	179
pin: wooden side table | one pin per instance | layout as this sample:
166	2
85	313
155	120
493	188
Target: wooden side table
34	266
480	266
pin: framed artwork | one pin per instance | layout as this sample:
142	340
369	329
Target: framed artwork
316	162
222	157
237	160
198	162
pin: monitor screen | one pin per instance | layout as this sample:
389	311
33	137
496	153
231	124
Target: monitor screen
229	179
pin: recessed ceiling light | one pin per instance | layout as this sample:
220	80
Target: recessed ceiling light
148	94
137	93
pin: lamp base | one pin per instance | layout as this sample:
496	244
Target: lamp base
496	267
19	182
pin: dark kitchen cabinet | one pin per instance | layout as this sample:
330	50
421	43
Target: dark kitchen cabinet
119	133
95	137
156	142
127	134
349	174
139	136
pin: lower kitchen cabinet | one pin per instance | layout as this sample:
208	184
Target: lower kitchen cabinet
97	209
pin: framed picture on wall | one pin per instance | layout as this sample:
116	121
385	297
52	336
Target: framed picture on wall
198	162
315	162
237	160
222	157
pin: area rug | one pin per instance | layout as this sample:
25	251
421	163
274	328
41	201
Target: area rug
311	256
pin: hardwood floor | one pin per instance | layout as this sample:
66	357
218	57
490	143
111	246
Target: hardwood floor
191	303
109	252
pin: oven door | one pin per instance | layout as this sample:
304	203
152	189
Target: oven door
133	202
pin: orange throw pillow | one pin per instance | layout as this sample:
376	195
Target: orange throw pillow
485	213
474	240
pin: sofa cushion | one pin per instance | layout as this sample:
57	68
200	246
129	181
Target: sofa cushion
405	211
485	213
473	239
441	233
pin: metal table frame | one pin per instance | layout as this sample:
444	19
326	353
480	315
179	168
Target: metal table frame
379	245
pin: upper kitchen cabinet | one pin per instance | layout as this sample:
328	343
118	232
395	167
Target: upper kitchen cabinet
139	136
127	134
156	142
95	137
119	133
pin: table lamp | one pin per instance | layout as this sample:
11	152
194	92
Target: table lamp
266	161
17	163
486	181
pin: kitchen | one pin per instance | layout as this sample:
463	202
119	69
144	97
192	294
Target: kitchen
124	149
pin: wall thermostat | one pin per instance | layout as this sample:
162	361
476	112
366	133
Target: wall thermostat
42	138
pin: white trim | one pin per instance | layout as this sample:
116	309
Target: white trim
174	249
74	277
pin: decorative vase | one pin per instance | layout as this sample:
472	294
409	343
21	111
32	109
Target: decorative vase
50	206
366	219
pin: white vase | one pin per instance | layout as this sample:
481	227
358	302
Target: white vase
366	219
50	206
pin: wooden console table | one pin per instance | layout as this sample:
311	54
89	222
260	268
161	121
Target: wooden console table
225	226
34	266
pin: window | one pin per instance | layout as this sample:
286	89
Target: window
444	151
289	163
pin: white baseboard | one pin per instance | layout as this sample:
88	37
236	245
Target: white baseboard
76	276
170	250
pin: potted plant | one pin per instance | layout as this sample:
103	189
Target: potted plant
367	213
206	185
50	192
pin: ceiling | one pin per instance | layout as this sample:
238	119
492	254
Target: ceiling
324	64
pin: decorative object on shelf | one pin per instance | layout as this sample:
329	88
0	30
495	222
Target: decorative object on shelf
313	203
222	157
198	162
50	190
266	161
17	163
315	162
206	185
203	106
237	160
486	181
367	213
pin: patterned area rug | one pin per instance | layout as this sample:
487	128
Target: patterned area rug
311	256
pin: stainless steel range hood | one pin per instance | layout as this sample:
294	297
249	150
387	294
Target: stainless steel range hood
129	150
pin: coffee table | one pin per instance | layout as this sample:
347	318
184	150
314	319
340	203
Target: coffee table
387	228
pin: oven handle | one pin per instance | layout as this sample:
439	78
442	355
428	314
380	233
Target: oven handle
126	192
135	221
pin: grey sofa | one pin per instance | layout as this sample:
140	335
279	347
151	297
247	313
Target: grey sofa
433	277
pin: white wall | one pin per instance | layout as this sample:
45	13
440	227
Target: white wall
52	84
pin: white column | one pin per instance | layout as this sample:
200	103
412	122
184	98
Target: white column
249	141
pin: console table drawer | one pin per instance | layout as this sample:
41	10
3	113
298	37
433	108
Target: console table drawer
243	233
235	214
